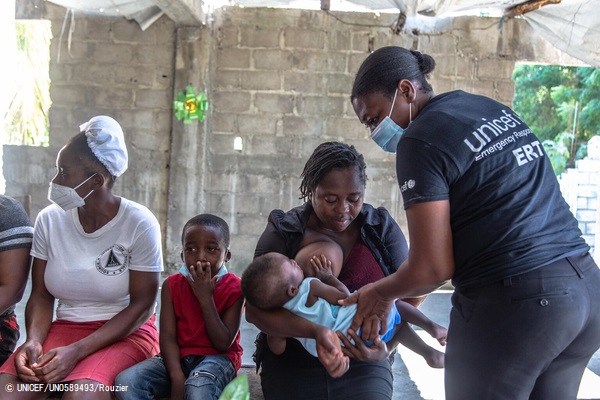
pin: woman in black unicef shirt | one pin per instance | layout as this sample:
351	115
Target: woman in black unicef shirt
485	210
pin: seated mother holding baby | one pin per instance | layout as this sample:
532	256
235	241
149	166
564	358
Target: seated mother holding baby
373	246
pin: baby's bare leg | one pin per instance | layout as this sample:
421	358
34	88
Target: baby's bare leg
413	316
409	338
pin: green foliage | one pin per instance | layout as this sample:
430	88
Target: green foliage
558	153
26	120
237	389
562	106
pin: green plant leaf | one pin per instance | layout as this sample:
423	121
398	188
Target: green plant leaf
237	389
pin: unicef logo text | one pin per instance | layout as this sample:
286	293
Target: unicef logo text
409	184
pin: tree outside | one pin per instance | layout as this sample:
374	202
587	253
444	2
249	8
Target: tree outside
562	107
25	122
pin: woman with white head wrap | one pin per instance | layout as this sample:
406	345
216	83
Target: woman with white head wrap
105	139
100	256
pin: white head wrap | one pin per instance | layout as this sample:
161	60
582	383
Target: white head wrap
105	138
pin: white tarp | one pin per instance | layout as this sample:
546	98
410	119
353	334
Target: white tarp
144	12
573	26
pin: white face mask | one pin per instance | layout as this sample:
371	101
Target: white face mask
66	197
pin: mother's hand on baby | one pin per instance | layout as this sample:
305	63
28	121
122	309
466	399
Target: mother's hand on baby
371	313
330	353
360	351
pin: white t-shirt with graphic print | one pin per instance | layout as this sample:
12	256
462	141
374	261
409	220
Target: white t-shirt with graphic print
88	273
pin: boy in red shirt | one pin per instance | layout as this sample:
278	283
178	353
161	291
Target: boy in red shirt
201	309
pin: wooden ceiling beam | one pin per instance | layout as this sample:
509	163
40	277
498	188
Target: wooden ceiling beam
526	7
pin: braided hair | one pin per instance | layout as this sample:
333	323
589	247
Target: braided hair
326	157
385	67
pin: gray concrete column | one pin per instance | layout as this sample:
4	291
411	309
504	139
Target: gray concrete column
188	158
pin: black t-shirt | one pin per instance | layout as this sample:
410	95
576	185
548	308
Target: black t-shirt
507	212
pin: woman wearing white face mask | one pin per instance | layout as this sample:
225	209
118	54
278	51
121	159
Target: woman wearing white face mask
100	256
484	209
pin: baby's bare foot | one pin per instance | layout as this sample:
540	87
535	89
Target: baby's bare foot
435	358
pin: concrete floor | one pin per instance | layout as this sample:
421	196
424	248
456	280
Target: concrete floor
413	379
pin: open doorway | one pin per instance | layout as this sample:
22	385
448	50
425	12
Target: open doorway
561	105
25	98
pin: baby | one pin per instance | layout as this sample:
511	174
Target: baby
309	289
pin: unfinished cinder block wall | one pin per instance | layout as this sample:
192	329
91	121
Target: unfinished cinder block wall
279	79
581	188
109	66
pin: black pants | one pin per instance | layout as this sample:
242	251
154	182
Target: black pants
298	375
526	337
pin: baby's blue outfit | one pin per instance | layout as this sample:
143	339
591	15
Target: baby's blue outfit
334	317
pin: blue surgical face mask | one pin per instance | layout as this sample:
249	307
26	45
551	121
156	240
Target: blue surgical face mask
186	272
387	134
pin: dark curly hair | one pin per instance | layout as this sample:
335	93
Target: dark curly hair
209	220
326	157
261	283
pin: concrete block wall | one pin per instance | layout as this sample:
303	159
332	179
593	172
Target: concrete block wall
278	78
281	81
581	189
